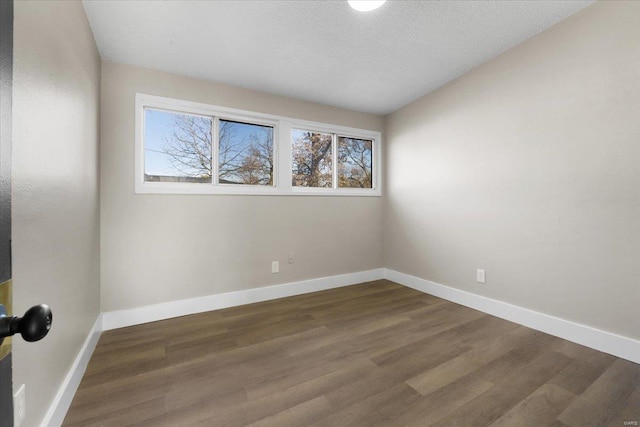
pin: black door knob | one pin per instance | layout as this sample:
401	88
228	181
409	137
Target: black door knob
33	326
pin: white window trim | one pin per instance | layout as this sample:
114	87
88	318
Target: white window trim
283	127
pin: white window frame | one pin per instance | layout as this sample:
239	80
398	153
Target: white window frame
282	149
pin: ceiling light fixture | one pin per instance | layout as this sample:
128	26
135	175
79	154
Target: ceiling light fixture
366	5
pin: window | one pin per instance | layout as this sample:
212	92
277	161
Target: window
177	147
185	147
245	153
355	157
312	159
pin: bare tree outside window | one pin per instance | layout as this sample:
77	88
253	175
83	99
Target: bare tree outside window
188	145
178	148
312	161
234	152
354	162
245	153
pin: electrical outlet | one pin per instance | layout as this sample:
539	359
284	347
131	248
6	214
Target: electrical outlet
480	276
291	257
275	267
19	406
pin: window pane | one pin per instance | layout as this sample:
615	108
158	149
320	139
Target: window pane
312	161
245	153
354	162
177	147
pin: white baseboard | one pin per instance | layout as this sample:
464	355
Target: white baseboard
62	401
607	342
167	310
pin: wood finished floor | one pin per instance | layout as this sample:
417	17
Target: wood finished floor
376	354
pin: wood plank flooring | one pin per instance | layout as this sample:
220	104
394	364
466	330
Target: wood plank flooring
375	354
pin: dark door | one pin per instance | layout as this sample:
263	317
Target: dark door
6	74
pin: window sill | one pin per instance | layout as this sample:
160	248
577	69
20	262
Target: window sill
186	188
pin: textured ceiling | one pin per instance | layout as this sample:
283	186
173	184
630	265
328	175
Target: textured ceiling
320	51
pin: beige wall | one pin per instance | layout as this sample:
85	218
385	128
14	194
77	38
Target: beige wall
158	248
529	167
55	190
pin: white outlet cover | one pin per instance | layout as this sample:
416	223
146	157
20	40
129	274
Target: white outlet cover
480	276
275	267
